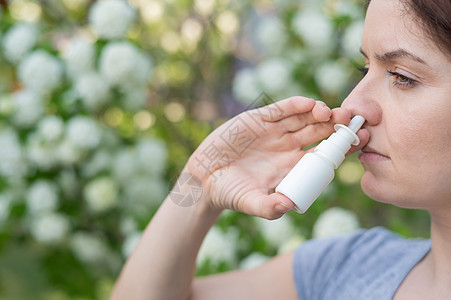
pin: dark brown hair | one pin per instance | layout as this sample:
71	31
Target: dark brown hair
434	18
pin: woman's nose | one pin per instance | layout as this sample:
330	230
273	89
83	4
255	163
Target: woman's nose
363	101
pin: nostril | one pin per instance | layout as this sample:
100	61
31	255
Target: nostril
368	110
356	123
373	114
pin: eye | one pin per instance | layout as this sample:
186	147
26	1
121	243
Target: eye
401	80
363	70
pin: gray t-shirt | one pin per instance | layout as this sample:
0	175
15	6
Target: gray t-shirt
370	264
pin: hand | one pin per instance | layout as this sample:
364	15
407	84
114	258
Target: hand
241	162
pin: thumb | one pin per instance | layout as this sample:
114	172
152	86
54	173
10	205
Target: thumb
270	207
364	137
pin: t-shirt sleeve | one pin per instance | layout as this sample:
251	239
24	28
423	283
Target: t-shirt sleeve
316	260
369	264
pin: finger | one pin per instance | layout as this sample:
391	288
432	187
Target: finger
284	109
293	123
340	116
312	134
364	136
270	206
319	113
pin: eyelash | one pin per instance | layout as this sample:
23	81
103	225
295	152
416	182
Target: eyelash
363	70
399	79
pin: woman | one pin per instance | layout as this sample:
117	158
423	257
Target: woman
405	98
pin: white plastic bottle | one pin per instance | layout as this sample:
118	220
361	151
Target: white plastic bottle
311	175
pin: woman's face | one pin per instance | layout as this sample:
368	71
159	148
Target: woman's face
406	99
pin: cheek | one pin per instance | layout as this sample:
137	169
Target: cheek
420	152
421	134
407	140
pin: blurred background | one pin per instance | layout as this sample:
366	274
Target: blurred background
102	102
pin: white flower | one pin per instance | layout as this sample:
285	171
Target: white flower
148	158
40	72
218	247
274	74
122	64
192	31
49	228
335	221
272	35
101	194
51	128
314	28
100	161
254	260
246	86
128	225
130	243
142	192
111	19
79	56
88	248
352	39
291	244
12	162
42	197
348	9
276	232
204	7
151	155
41	153
28	108
124	165
331	77
291	89
83	132
93	89
19	40
68	153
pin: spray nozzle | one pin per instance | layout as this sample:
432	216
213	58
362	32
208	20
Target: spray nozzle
352	128
356	123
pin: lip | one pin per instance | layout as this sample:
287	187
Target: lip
370	155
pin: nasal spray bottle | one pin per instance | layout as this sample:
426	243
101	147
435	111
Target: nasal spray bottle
311	175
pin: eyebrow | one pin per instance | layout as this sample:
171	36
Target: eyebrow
399	53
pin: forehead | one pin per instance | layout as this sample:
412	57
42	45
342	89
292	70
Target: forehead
389	26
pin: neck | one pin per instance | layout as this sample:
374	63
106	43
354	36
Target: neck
440	255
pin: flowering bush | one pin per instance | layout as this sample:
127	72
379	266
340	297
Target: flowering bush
102	103
63	186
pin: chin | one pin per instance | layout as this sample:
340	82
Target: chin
372	189
388	193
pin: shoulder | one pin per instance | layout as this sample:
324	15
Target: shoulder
352	260
328	252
